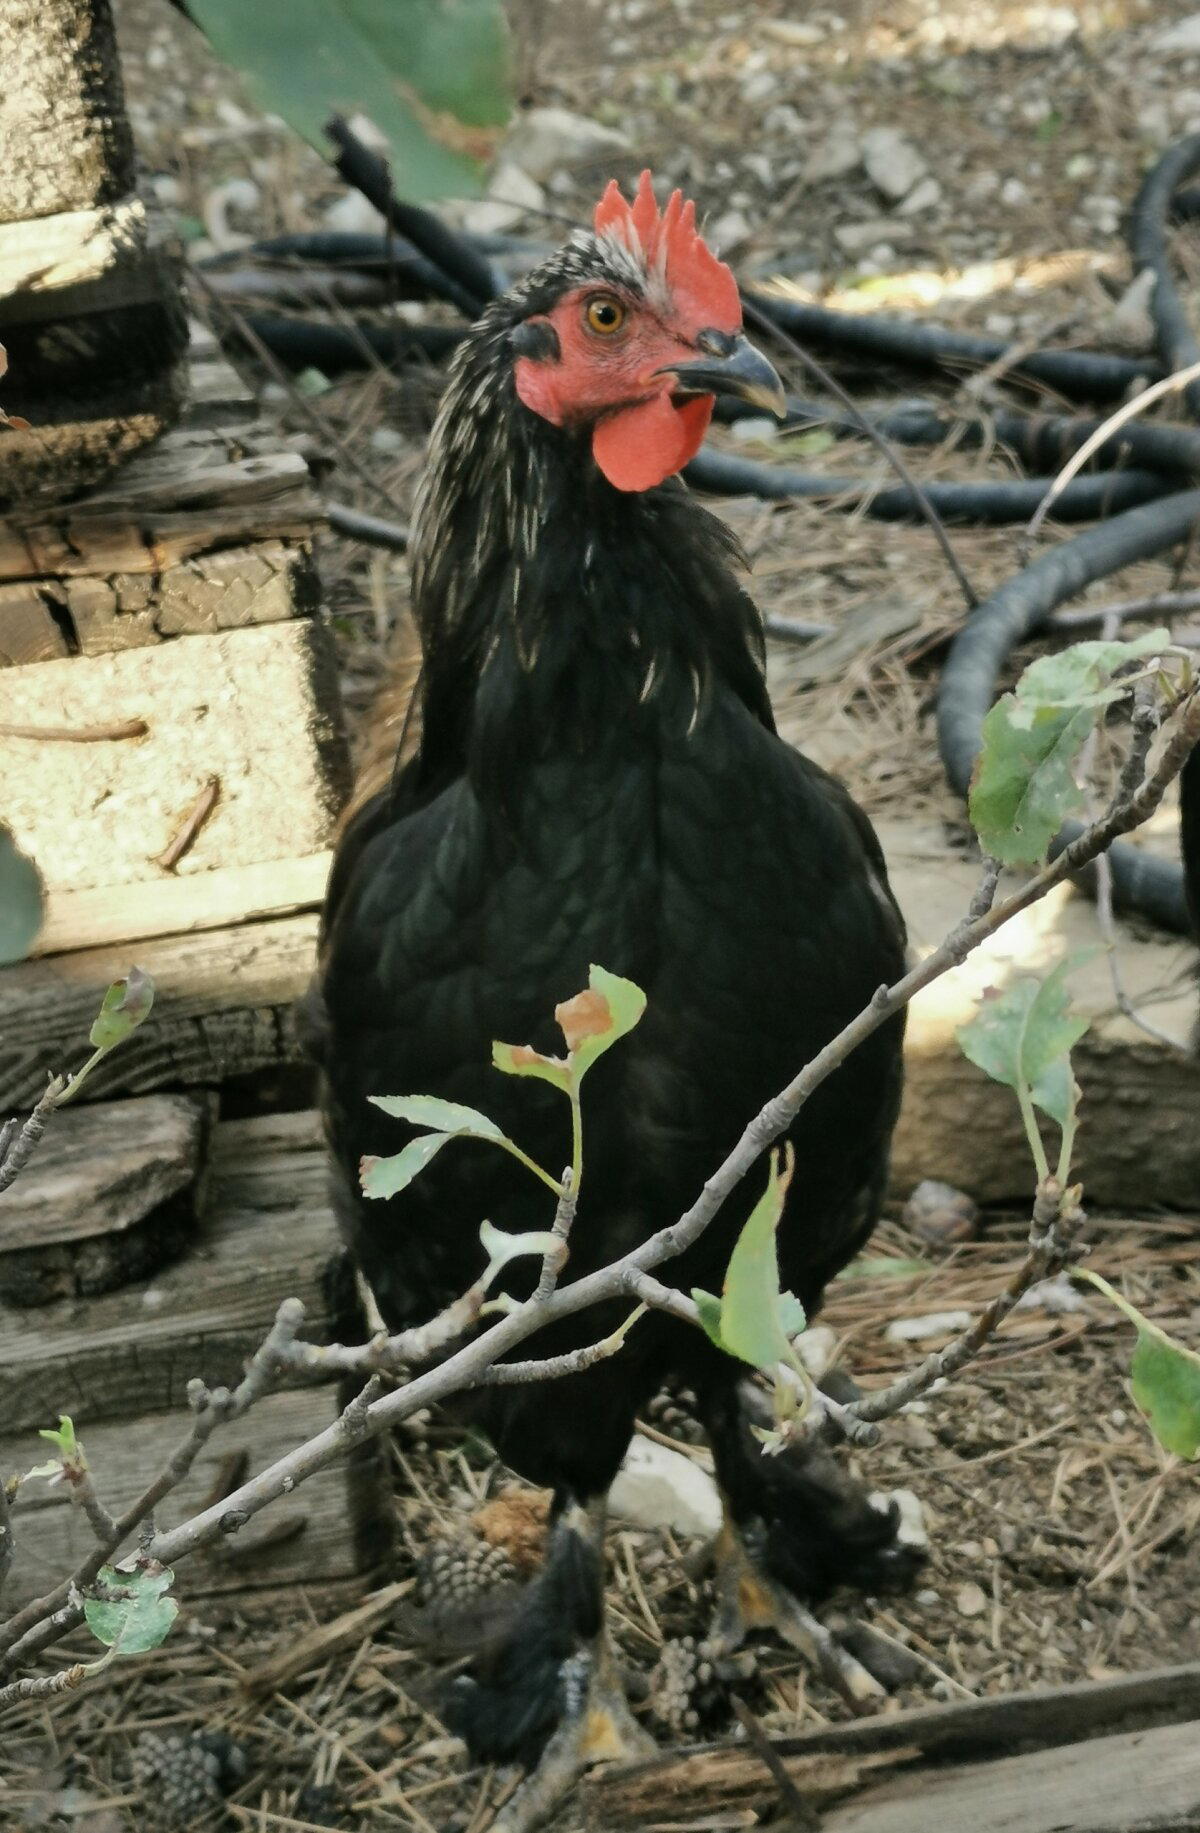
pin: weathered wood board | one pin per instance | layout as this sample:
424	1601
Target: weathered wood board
222	1008
266	1234
337	1524
1139	1142
253	710
111	1193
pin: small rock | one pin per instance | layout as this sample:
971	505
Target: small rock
817	1344
387	439
792	32
545	139
940	1213
893	162
880	232
759	86
1182	37
910	1530
970	1600
927	1598
753	430
924	195
511	192
1058	1296
659	1488
353	215
783	119
1013	192
933	1324
839	154
731	228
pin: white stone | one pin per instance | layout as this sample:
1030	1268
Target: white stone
1014	192
892	161
546	139
353	215
1131	320
933	1324
880	232
660	1488
793	32
924	195
759	86
837	155
750	431
1183	36
1056	1296
910	1529
511	192
730	228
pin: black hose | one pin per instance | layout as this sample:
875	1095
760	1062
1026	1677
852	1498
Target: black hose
1043	441
1176	341
302	343
364	255
467	279
1016	611
991	504
1084	375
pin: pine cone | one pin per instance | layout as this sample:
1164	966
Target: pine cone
689	1687
184	1778
461	1571
673	1411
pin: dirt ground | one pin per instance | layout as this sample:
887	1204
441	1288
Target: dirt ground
1060	1537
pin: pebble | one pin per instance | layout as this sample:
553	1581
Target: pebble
835	156
970	1600
892	162
1182	37
511	192
924	195
856	238
660	1488
936	1212
545	139
933	1324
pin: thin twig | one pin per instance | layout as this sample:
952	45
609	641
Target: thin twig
878	439
20	1145
79	735
1127	411
189	828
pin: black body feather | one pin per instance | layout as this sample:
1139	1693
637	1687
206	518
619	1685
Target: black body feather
599	780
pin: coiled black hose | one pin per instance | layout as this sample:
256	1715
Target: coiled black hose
1176	341
991	504
1081	375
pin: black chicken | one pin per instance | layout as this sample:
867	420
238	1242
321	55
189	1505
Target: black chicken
599	779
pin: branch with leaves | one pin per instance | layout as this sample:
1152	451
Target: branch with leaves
1025	785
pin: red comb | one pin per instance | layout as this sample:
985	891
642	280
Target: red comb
668	240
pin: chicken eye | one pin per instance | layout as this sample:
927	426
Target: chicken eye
605	315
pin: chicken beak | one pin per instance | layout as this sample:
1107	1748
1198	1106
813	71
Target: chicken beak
732	366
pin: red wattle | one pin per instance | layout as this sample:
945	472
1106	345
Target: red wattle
641	445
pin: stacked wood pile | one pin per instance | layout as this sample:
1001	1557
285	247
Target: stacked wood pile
171	757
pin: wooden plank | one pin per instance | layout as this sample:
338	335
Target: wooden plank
228	590
28	631
77	261
222	1008
957	1125
828	1763
339	1523
104	814
203	900
110	1195
266	1234
1139	1782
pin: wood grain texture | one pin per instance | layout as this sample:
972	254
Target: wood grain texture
265	1234
222	1008
111	1193
337	1524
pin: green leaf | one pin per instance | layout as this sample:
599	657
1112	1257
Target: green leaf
1024	783
311	382
442	1116
63	1439
751	1302
432	75
793	1319
709	1307
1023	1037
524	1060
387	1177
138	1617
805	445
1164	1377
20	901
594	1020
124	1006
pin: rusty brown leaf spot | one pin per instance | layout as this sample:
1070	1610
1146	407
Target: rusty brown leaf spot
587	1015
524	1056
